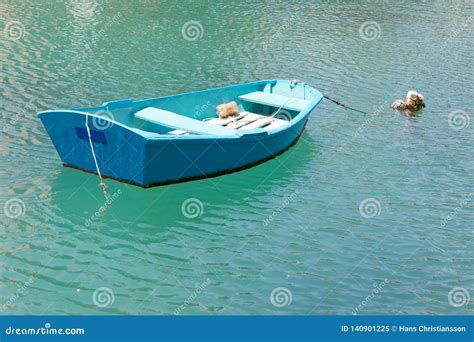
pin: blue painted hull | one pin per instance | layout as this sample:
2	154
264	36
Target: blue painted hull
145	158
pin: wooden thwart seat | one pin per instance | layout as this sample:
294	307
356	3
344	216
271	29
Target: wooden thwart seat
242	121
250	117
178	132
246	120
179	122
258	123
277	123
223	122
274	100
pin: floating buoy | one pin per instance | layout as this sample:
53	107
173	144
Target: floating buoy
413	102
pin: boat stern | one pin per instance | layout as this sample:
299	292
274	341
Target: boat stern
119	149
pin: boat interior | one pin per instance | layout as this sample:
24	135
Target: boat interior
266	105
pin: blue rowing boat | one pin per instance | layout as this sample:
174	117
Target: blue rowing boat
178	138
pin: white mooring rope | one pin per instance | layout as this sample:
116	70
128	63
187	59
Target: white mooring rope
101	184
293	83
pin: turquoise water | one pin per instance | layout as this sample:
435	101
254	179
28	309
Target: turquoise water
365	215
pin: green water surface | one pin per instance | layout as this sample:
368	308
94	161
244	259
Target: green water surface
367	214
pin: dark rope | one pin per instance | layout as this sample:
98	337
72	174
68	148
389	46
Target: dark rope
343	105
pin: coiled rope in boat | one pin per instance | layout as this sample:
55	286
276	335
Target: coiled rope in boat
101	183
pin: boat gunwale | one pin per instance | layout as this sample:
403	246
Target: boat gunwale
155	136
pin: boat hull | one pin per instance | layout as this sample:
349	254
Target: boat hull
156	181
145	159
